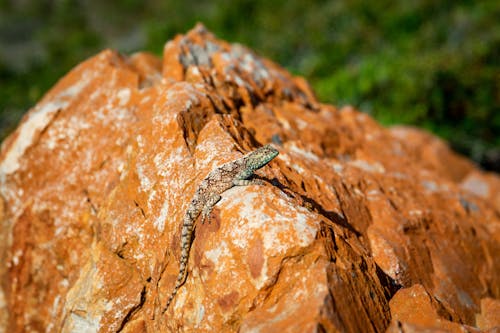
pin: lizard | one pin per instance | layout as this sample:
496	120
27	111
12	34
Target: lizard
208	193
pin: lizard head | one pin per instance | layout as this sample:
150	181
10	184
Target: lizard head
260	157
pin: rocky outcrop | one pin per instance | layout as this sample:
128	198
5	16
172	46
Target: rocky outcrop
357	228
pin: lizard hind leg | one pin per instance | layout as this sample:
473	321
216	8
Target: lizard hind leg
209	205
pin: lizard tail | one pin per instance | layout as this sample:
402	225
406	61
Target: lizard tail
180	281
186	237
181	278
172	295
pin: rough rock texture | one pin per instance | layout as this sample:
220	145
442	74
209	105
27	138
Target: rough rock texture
357	228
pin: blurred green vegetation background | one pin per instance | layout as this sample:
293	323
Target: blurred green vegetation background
433	64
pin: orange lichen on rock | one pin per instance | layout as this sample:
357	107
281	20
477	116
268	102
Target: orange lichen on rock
358	228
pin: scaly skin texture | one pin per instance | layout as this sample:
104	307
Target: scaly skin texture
219	180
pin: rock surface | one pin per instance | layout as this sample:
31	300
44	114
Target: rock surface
358	228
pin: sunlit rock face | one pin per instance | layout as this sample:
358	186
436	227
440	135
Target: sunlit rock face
357	228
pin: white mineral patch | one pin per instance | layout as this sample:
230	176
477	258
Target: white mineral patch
159	222
307	154
123	96
477	186
200	314
369	167
373	194
337	167
38	119
166	164
216	254
81	317
16	256
78	324
301	124
145	181
2	299
286	228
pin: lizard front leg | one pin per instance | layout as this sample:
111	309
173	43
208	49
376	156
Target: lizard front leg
242	179
245	181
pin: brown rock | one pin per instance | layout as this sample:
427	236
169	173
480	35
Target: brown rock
358	228
414	310
433	153
489	317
